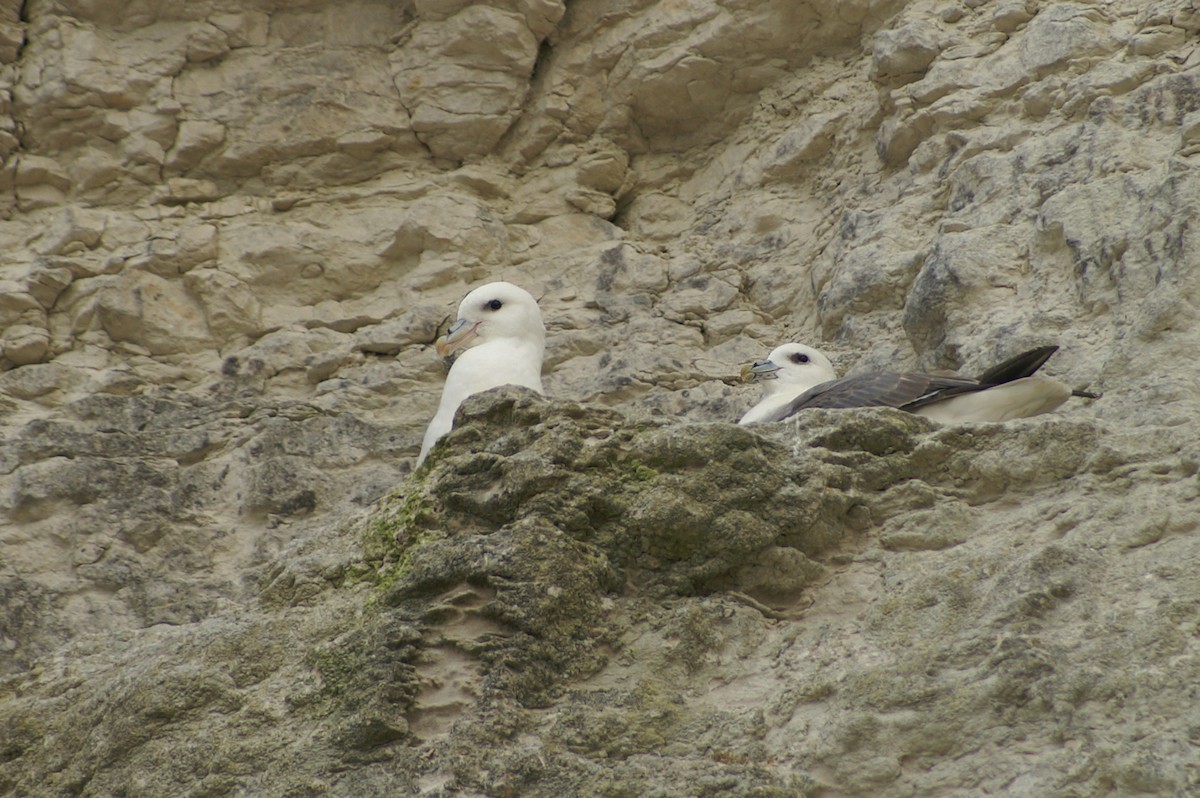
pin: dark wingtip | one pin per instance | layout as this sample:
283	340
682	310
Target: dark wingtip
1086	394
1015	368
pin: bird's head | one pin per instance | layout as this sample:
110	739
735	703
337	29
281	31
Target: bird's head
789	365
493	311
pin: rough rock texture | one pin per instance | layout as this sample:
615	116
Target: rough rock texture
568	601
231	232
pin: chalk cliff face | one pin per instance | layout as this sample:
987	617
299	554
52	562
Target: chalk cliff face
232	230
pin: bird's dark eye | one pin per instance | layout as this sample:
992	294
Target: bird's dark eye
799	358
495	304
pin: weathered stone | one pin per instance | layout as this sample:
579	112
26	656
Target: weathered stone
901	56
1189	134
285	132
23	344
230	308
808	141
35	381
244	29
982	264
216	578
412	326
12	37
150	311
17	306
438	224
867	278
45	283
74	231
1009	16
195	140
39	171
502	573
463	78
207	43
961	77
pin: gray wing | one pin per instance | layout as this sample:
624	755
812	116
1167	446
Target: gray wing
907	390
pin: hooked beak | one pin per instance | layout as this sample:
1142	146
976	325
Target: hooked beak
760	370
459	334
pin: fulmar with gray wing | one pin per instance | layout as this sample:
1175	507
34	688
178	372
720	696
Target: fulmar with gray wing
1008	390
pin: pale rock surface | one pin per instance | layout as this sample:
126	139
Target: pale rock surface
463	70
571	601
231	232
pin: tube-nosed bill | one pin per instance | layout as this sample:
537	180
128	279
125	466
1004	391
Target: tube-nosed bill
760	370
459	334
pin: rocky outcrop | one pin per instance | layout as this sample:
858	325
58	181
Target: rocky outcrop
567	600
231	233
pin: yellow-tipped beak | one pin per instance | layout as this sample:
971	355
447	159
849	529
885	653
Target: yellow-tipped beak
760	370
460	333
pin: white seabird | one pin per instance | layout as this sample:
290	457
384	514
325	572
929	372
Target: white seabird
506	321
1004	392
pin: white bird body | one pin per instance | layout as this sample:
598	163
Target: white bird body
1029	396
512	340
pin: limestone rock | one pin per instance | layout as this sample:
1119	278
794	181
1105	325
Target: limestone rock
24	344
18	306
196	139
439	225
230	307
902	55
152	312
40	182
232	234
546	569
45	283
463	75
206	44
808	141
12	37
